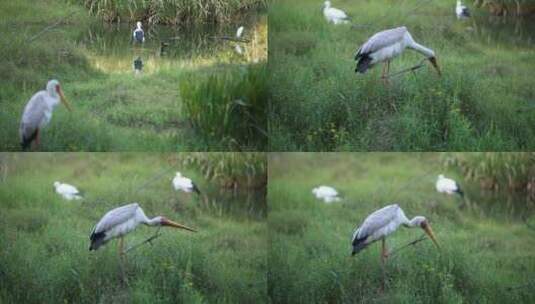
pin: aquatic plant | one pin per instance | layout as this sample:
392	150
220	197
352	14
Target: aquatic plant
228	105
231	170
170	11
512	171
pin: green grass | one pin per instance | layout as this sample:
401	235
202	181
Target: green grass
44	239
320	104
113	110
310	259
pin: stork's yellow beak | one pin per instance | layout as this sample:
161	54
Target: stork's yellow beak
434	62
429	231
63	99
166	222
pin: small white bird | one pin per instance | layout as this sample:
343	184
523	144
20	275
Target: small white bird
461	10
138	34
238	49
448	186
68	192
239	32
38	112
334	15
123	220
326	193
185	184
382	223
385	46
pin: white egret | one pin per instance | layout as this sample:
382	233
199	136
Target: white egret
38	112
382	223
123	220
239	32
138	34
385	46
461	10
326	193
448	186
185	184
68	192
334	15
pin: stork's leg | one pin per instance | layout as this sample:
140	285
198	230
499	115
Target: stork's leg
384	251
383	73
37	140
121	246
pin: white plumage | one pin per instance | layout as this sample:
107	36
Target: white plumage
326	193
239	32
123	220
138	34
182	183
448	186
38	112
385	46
461	10
334	15
382	223
68	192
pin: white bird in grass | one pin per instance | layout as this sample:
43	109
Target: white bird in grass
448	186
138	34
239	32
185	184
461	10
123	220
382	223
68	192
385	46
38	112
326	193
334	15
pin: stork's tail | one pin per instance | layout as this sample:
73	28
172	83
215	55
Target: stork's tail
196	189
363	64
26	141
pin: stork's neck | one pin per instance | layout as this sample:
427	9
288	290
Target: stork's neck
415	221
422	49
156	221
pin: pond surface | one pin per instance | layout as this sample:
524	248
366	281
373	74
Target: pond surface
111	49
501	204
248	203
506	31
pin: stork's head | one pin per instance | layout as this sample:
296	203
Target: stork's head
424	224
327	4
54	89
440	176
178	174
138	24
163	221
56	184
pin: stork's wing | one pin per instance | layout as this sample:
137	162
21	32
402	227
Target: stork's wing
115	217
68	189
382	39
337	13
377	220
33	114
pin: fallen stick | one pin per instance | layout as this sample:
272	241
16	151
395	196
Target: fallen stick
411	69
149	240
46	29
232	39
511	288
396	251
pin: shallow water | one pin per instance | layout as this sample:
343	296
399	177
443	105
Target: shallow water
506	31
111	49
503	205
